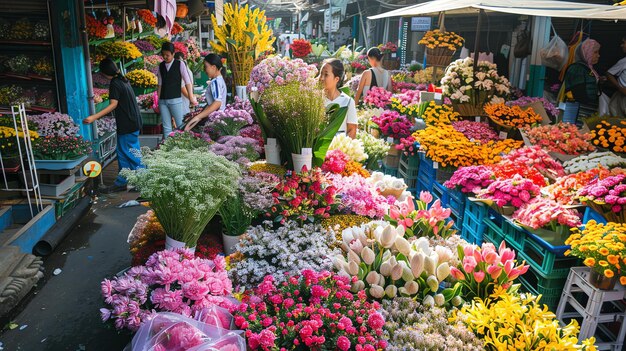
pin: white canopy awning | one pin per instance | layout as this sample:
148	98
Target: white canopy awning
545	8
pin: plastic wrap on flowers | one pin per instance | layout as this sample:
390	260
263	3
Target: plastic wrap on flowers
174	332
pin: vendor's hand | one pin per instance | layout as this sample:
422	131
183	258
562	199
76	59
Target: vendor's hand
89	120
194	101
192	123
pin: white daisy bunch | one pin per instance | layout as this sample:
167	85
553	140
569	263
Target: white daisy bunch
586	162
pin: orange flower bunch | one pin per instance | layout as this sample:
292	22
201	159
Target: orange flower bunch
95	29
353	167
512	116
438	39
147	17
176	28
452	149
564	190
611	136
437	114
150	231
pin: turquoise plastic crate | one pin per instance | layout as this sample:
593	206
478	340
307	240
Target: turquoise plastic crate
545	262
472	225
409	180
471	236
388	170
592	214
438	191
409	165
426	166
514	235
549	287
424	184
458	219
493	233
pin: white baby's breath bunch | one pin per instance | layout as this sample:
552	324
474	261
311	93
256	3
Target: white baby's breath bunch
185	189
288	249
353	148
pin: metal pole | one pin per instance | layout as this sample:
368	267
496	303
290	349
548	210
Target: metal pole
477	42
330	21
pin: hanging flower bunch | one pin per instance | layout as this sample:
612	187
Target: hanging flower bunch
460	85
515	191
119	50
541	212
310	310
512	116
95	29
564	138
377	97
601	247
476	131
301	48
142	78
147	17
439	114
393	125
611	136
440	39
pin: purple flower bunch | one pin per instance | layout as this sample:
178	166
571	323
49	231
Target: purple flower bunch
237	148
471	179
144	46
228	122
353	83
477	131
240	104
105	126
357	196
514	191
99	80
610	190
54	124
547	105
171	281
280	70
256	189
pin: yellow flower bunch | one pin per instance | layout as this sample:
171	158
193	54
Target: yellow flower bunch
244	30
142	78
439	114
8	132
438	39
119	50
8	142
519	322
602	248
411	110
425	76
338	223
262	166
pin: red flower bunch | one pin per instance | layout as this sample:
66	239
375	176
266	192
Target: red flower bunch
301	48
392	124
176	28
358	65
181	47
306	196
147	17
388	48
536	157
335	161
507	170
95	28
312	311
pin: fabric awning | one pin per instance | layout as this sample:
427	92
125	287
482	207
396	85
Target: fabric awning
547	8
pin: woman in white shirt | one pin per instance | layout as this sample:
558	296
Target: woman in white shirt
375	76
216	90
331	77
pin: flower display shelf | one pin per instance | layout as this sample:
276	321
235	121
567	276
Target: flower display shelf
468	110
606	212
59	164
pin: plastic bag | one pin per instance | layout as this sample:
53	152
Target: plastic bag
175	332
555	54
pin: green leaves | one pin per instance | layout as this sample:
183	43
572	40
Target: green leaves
325	137
267	129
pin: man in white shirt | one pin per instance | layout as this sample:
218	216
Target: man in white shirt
616	75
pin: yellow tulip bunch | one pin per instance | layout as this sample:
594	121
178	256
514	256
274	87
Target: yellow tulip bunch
244	37
602	247
142	78
438	39
119	49
507	321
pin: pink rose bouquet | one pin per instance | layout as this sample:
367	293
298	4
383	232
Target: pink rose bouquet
171	281
408	97
484	269
357	196
471	179
564	138
311	311
546	213
514	191
409	146
609	191
378	97
393	125
422	220
536	157
476	131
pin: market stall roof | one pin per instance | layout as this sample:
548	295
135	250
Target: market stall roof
547	8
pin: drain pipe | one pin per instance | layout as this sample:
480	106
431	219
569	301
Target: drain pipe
46	245
87	60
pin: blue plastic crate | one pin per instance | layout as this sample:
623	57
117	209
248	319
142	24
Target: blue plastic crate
457	217
473	219
593	214
493	233
472	237
426	166
454	200
438	191
410	181
424	184
389	171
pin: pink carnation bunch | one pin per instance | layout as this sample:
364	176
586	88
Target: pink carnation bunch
312	311
378	97
536	157
482	269
357	196
477	131
564	138
335	161
408	97
471	179
171	281
610	190
514	191
542	212
393	125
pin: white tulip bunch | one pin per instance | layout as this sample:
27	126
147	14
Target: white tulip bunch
353	148
387	265
584	163
384	182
